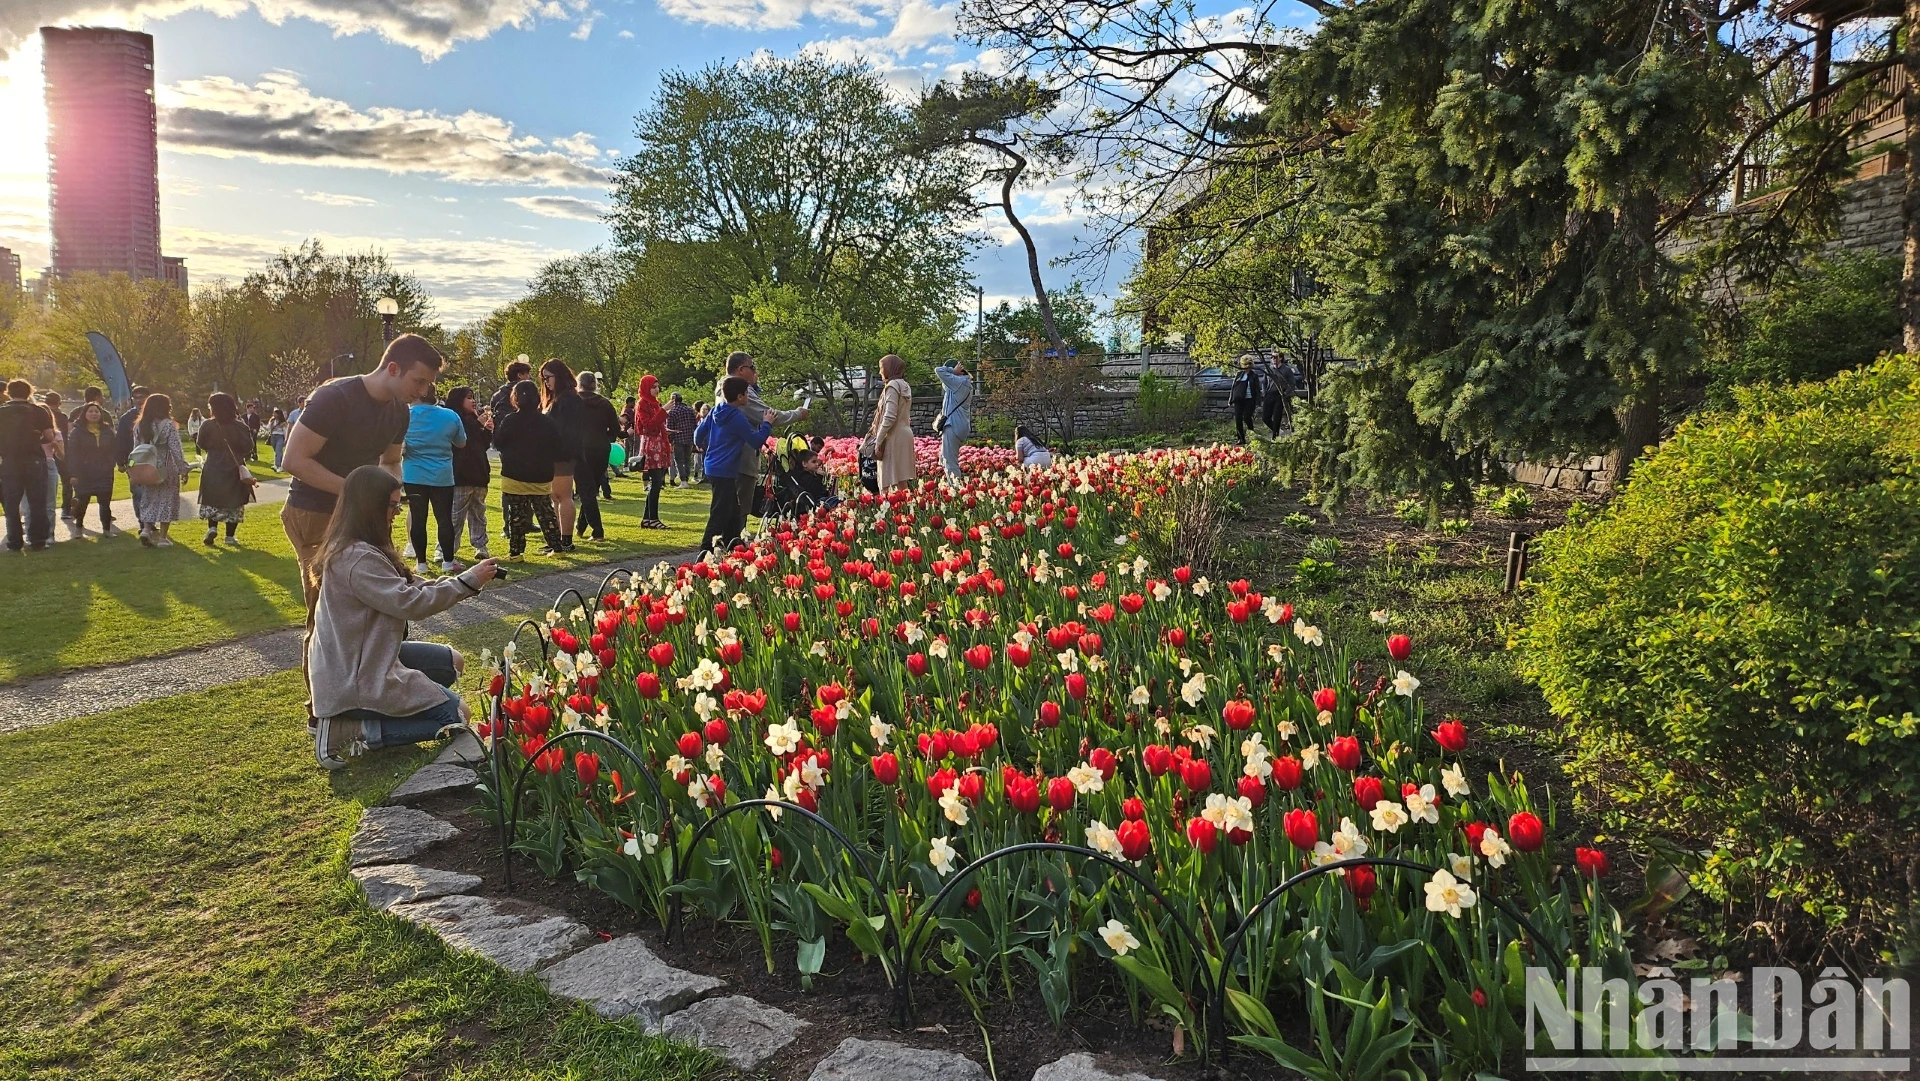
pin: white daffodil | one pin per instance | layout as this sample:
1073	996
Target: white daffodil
1348	841
1200	735
774	793
1096	663
1101	838
1276	652
783	739
1495	848
1324	853
1454	779
1068	660
1139	566
1405	683
1274	610
912	632
1310	756
1202	587
1229	812
706	706
699	793
811	774
1023	637
727	636
1194	689
706	675
1388	816
1461	863
1307	632
818	649
954	807
1325	717
1288	729
701	633
881	731
941	856
1422	806
938	649
677	765
715	756
1445	893
1161	591
1162	726
1139	696
563	664
1380	616
1086	778
641	844
1118	938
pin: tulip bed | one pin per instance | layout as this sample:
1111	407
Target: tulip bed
974	730
842	454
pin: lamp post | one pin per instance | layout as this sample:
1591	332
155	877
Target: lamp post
388	308
331	361
979	324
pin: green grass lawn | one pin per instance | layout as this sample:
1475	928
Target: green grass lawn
262	469
172	882
94	601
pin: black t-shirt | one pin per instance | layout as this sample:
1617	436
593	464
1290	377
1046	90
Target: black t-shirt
23	424
358	430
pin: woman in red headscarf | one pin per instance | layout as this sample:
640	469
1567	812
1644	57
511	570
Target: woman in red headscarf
656	453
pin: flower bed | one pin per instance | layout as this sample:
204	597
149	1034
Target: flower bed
843	456
974	730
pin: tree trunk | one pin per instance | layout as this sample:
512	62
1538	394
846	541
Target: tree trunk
1033	251
1639	429
1910	204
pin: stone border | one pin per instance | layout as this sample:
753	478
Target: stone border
621	977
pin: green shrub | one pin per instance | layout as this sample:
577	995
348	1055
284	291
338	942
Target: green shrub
1453	527
1515	502
1325	549
1837	314
1733	642
1165	405
1411	511
1317	573
1298	522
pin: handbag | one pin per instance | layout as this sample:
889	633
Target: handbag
248	482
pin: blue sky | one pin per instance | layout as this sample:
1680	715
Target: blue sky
471	143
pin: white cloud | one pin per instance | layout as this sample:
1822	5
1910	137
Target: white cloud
431	27
327	198
279	120
561	206
626	35
774	14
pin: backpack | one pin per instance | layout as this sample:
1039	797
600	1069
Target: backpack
143	464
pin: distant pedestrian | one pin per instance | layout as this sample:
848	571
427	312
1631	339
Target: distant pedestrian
156	501
293	415
90	396
529	444
277	428
123	427
1275	390
472	472
56	452
194	421
654	452
744	366
681	420
731	440
599	431
255	422
501	405
560	403
226	485
92	455
26	430
955	422
629	439
889	439
434	432
699	450
1244	396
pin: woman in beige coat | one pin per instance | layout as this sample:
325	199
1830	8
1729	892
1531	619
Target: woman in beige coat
890	438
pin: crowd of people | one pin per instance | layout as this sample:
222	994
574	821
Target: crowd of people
1267	387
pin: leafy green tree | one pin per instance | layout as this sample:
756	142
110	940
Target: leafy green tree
321	306
1009	332
587	310
147	321
228	336
800	172
1834	314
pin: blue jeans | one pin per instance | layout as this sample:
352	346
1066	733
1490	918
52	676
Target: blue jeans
950	442
383	730
278	441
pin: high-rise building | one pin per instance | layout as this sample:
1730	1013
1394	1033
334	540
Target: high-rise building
9	271
174	269
103	153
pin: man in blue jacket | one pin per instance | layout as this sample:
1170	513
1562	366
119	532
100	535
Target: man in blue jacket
732	443
955	422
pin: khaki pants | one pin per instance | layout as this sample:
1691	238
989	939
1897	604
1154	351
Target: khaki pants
306	529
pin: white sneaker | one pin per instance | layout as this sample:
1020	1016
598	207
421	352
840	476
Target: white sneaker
423	570
163	541
448	566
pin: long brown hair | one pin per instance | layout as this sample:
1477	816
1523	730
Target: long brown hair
156	408
361	515
563	381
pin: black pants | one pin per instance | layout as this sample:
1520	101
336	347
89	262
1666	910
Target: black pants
683	461
1243	418
440	498
106	509
589	475
726	519
26	479
656	479
1275	408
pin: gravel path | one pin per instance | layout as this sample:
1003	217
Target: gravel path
35	702
267	498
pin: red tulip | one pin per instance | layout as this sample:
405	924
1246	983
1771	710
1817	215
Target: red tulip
1302	828
1060	794
717	732
1133	809
1451	735
587	765
1104	761
1076	686
1196	774
1344	752
917	664
1131	603
979	657
972	787
1368	791
1177	637
1326	698
1399	647
1287	773
886	768
661	654
1018	655
731	652
1202	834
1591	861
1254	790
1049	714
1023	794
792	621
775	858
940	780
1525	832
647	684
1183	575
1135	839
1238	713
1090	644
1362	881
549	761
1158	759
832	694
690	745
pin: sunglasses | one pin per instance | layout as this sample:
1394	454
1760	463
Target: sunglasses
394	505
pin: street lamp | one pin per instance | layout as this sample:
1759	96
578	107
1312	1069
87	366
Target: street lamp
331	361
388	308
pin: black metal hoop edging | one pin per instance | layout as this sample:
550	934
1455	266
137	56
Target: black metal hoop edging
493	745
860	858
903	991
510	812
1217	1007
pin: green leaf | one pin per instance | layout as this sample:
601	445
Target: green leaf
1252	1012
1300	1063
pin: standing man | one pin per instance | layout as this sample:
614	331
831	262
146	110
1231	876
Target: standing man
741	365
253	425
599	429
502	404
124	428
26	430
680	424
1245	397
955	422
293	418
